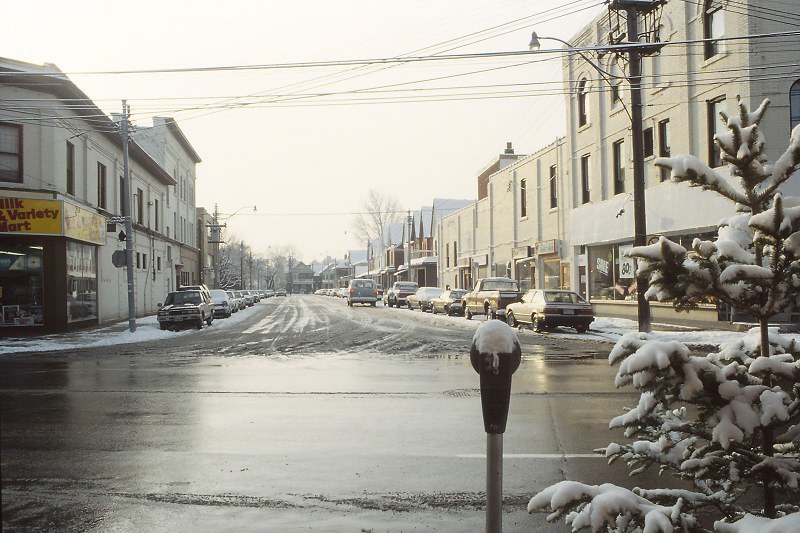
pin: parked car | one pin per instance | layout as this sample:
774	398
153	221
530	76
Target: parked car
400	291
362	291
201	288
490	296
342	292
221	303
182	307
450	302
422	298
546	309
254	295
280	292
270	293
236	302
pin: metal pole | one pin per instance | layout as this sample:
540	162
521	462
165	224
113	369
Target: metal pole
639	215
494	483
216	246
250	269
408	244
128	219
241	265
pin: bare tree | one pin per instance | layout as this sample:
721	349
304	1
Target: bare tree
229	264
379	210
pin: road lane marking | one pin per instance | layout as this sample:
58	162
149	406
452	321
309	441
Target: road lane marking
535	456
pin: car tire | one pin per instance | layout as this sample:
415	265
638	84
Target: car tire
536	324
510	320
374	304
199	324
468	314
210	319
581	329
162	326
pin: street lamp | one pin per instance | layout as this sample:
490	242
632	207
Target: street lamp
635	115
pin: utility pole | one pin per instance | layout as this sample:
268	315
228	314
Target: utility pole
408	244
128	218
633	10
241	265
250	269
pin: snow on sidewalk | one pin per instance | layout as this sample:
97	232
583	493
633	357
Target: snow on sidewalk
146	330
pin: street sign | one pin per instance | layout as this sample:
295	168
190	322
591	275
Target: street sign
119	258
122	235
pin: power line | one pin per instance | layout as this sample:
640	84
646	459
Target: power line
405	59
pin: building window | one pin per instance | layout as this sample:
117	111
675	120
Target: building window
585	179
447	254
155	215
713	27
455	253
618	150
523	197
616	99
138	260
553	188
70	168
647	142
714	126
583	107
122	210
140	206
144	261
10	152
101	185
663	145
794	105
158	263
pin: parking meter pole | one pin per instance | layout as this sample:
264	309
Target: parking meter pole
494	483
495	370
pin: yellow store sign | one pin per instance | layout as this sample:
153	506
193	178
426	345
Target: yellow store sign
25	216
82	224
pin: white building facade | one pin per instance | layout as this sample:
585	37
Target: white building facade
67	157
577	193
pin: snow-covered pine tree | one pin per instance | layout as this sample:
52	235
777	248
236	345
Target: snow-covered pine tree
728	422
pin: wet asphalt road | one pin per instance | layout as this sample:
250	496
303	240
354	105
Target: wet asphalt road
303	415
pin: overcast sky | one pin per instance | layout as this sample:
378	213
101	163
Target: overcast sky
304	159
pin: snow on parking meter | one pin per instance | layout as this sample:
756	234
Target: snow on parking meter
495	354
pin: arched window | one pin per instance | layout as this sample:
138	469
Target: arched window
713	26
794	105
583	107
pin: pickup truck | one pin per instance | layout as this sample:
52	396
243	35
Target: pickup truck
490	296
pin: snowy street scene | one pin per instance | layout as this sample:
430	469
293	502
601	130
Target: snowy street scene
389	267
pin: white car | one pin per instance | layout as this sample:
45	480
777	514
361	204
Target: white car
221	303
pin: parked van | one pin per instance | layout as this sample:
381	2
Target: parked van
362	291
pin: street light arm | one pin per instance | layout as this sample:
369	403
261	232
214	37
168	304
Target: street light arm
603	73
239	210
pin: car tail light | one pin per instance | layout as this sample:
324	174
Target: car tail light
375	291
551	311
352	291
585	311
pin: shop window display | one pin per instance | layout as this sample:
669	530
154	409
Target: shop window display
81	282
21	285
551	273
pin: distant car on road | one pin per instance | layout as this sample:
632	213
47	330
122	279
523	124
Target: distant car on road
236	302
182	307
450	302
221	303
400	291
362	291
422	298
280	292
546	309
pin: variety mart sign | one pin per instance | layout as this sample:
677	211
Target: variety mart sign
25	216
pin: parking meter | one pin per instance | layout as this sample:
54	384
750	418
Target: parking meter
495	371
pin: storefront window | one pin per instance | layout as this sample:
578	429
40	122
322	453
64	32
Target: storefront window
81	282
601	272
21	286
551	273
525	274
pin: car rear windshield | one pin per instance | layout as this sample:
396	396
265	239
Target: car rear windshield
183	297
405	286
562	298
499	285
362	284
457	294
